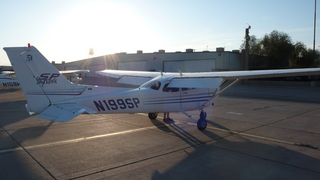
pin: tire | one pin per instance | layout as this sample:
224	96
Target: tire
152	115
202	124
203	115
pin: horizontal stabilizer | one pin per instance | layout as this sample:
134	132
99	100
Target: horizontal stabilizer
64	112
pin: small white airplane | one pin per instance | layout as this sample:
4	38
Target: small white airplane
8	82
11	82
55	98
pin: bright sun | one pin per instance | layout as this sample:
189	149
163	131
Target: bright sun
105	27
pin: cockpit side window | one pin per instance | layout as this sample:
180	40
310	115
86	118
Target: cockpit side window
169	89
155	85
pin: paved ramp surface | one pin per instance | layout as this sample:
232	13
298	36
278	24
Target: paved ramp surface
247	138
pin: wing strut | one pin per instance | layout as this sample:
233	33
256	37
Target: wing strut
214	96
189	116
227	87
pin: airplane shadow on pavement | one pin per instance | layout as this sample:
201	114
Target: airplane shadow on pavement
233	156
19	160
14	157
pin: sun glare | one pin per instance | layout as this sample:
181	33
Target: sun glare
105	27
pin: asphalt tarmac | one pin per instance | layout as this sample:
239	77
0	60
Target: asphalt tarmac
254	132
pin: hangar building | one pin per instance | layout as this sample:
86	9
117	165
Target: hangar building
188	61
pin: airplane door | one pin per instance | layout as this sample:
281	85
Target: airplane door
192	98
171	98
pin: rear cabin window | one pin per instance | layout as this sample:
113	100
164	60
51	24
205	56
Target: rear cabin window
186	89
169	89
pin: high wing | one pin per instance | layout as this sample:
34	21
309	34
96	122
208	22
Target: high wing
226	75
223	74
131	77
205	79
121	73
195	78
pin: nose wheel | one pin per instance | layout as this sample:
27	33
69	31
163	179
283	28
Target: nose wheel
202	122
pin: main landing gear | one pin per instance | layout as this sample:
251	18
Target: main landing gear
152	115
202	122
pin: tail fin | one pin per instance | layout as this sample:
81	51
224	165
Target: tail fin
41	82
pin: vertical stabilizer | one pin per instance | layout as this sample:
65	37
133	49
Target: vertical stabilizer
41	82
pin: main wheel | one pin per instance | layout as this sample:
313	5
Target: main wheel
202	124
153	115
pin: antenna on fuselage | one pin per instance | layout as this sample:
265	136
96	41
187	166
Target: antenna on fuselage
178	70
158	70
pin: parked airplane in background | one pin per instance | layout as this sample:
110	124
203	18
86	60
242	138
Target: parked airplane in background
5	68
8	81
55	98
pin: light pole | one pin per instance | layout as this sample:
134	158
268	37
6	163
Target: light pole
314	31
246	55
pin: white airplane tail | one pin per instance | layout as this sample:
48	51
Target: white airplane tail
41	82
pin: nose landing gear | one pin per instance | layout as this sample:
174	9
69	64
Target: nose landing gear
202	122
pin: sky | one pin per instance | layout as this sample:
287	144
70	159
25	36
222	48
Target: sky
66	30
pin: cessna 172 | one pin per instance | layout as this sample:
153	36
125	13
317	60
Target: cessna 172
55	98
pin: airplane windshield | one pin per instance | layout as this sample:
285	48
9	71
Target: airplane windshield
154	85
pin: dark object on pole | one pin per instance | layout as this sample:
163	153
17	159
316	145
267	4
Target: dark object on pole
314	31
247	37
246	55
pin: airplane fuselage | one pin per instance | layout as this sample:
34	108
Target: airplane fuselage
145	100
